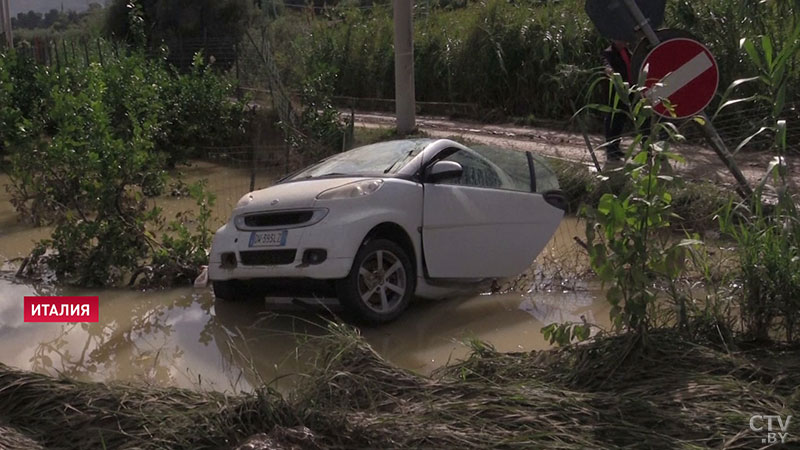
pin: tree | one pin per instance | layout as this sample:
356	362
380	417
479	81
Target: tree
50	18
186	26
28	20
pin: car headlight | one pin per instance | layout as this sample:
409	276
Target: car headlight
245	200
351	190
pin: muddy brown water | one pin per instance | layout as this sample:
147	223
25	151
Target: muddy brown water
184	337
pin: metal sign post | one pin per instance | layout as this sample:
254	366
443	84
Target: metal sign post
710	133
614	20
642	22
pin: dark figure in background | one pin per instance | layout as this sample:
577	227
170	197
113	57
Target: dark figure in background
618	59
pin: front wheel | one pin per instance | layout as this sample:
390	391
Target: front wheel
228	290
380	284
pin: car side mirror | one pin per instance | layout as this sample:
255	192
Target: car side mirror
443	170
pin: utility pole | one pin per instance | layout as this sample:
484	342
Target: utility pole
404	66
5	22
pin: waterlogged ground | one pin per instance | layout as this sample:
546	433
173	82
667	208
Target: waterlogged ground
184	337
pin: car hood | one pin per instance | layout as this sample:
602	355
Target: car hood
292	195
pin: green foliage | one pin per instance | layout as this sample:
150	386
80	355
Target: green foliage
149	23
200	109
22	99
88	182
625	235
523	58
510	57
768	239
563	334
183	250
768	88
137	36
321	131
88	146
768	247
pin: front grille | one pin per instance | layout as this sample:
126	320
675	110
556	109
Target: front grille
277	219
267	257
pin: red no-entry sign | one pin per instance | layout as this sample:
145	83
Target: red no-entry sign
684	72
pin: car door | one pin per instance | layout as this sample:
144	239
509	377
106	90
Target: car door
489	222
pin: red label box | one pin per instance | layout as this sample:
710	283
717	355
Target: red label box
62	309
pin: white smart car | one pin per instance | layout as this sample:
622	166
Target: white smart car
379	224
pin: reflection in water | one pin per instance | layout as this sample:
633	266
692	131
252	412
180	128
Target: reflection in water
183	337
566	309
158	338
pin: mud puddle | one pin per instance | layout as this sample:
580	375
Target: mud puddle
184	337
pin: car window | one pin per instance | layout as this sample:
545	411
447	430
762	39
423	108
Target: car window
546	178
514	164
478	172
384	158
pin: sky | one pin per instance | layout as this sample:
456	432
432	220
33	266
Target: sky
43	6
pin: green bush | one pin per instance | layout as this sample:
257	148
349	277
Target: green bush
23	97
88	181
90	147
201	110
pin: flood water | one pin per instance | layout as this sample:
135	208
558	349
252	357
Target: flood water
184	337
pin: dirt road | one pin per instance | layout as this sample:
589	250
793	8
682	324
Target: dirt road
701	162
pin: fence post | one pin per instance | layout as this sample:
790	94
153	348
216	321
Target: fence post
236	62
86	51
286	139
58	59
64	47
252	168
100	52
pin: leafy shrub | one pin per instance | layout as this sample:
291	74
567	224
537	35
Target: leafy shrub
23	93
183	250
627	233
89	152
320	130
90	182
200	110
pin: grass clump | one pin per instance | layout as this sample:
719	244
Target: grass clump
61	413
610	392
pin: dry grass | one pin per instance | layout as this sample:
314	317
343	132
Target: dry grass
67	414
613	392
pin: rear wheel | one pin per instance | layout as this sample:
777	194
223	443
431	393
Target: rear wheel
380	284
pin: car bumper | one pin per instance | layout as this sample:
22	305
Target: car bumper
339	240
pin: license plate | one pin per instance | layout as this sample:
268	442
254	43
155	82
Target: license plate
268	238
